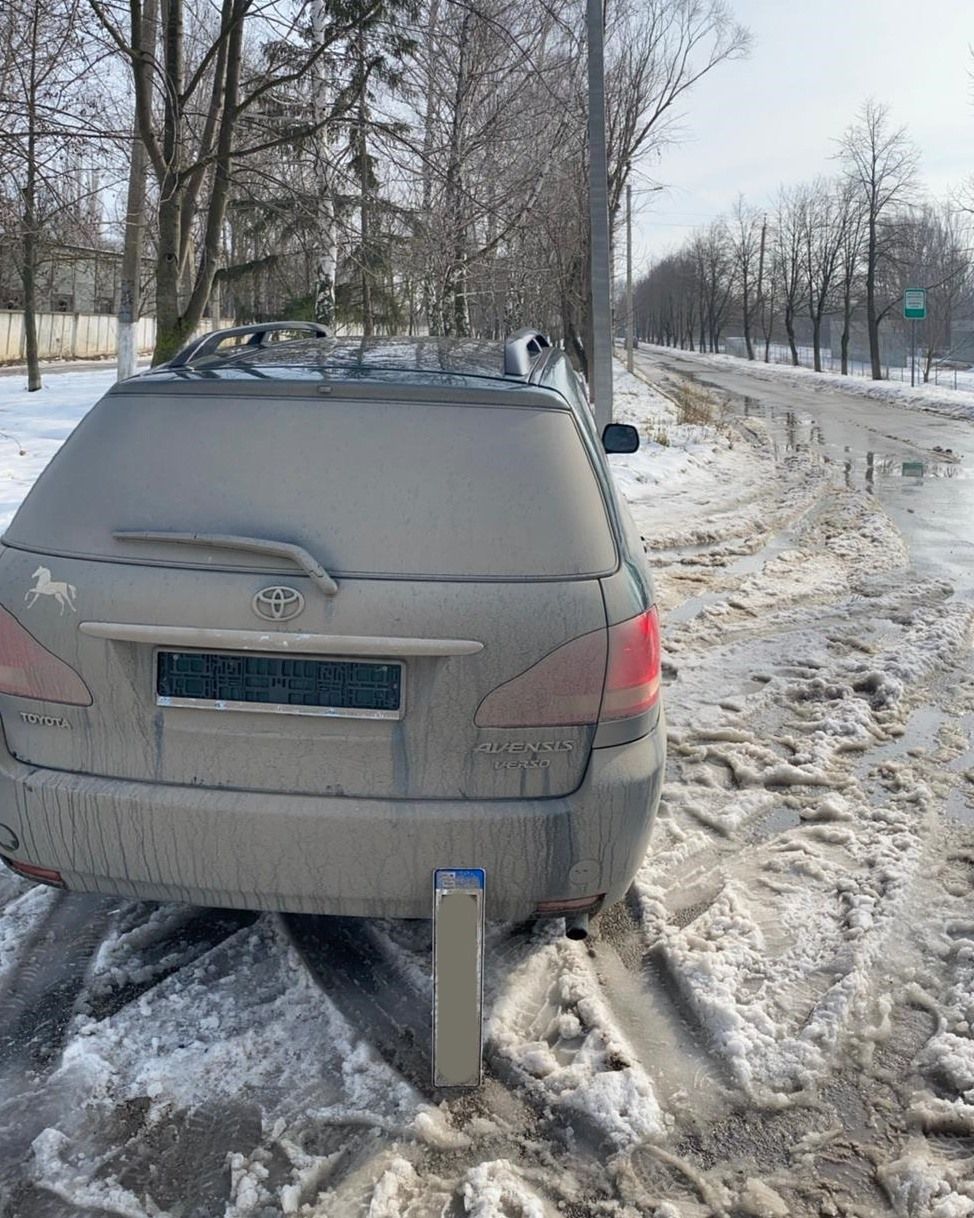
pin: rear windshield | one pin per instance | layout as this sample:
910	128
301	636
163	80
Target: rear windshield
369	488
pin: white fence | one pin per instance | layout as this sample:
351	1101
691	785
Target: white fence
72	335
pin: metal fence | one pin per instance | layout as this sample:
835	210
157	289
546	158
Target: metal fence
780	353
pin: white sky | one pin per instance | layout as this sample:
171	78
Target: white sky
774	117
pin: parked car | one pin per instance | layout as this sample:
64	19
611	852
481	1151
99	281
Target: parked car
289	624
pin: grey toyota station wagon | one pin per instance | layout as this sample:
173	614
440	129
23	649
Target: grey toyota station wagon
290	623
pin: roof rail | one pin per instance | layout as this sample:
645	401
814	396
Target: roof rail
208	343
519	348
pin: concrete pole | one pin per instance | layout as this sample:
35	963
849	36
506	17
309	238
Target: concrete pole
129	296
629	318
600	357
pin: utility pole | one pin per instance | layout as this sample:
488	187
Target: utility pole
629	319
129	297
600	356
759	306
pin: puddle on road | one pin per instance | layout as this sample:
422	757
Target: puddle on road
921	733
921	736
779	820
746	564
794	432
959	805
692	607
919	475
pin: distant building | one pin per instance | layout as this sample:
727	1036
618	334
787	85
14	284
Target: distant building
70	279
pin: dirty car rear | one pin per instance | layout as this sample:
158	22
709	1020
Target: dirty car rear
290	628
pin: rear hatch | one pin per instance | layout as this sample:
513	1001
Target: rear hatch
467	543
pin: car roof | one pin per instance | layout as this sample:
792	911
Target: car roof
467	357
404	360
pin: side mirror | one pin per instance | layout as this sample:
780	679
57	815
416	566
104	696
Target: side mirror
620	438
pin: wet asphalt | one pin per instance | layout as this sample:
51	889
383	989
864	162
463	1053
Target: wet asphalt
886	449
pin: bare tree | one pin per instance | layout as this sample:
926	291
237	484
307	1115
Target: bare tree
657	51
769	297
882	162
790	228
130	280
824	237
212	117
851	264
716	274
937	256
322	96
50	112
746	245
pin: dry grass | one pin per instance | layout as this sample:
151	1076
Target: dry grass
697	405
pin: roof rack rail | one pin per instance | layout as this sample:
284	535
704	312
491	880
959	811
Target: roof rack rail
208	343
520	347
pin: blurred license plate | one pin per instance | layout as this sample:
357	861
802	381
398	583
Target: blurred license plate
296	685
458	976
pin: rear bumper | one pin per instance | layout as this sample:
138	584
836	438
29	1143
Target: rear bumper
347	856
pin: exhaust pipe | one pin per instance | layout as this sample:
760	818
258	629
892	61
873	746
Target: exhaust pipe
576	926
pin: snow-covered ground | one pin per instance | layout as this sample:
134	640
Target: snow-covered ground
780	353
939	399
779	1020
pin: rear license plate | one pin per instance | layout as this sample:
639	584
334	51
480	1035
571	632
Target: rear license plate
294	685
458	976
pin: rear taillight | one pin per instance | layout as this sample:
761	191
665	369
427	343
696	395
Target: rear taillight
30	671
602	676
632	681
563	689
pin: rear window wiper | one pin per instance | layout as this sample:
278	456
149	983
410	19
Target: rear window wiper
254	545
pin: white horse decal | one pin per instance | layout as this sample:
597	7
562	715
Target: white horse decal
63	593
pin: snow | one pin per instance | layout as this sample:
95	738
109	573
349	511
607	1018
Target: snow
551	1021
804	897
496	1190
34	425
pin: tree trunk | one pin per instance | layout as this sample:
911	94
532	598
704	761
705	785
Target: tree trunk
461	303
29	267
430	300
817	340
747	325
790	331
577	347
455	288
170	333
759	303
29	277
365	234
129	302
326	262
872	321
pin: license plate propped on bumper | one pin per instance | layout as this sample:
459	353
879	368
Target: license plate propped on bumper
294	685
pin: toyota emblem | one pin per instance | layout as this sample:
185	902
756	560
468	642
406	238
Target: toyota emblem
278	604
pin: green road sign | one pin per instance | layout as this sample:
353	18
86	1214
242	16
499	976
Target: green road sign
912	469
915	304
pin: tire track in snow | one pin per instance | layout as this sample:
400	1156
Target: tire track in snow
545	1013
40	991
